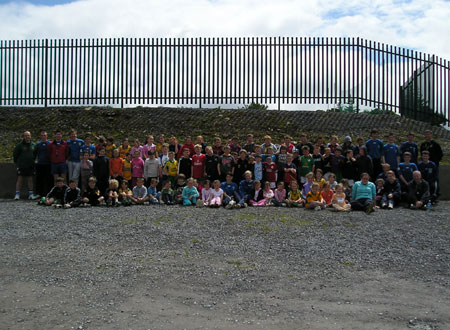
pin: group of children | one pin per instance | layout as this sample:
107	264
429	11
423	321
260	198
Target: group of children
315	176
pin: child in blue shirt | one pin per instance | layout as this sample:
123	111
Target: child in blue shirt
405	170
190	193
391	153
152	192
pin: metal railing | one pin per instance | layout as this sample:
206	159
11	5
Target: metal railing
266	70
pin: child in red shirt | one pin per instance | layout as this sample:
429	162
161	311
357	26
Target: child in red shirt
198	163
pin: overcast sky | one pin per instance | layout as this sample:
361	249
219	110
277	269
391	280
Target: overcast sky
423	25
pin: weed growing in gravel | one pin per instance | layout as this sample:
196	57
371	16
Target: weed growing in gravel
238	264
348	263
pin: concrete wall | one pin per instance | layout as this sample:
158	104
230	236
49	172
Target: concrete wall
8	181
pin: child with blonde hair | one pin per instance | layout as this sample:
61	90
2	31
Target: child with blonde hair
339	202
314	199
113	193
294	198
216	197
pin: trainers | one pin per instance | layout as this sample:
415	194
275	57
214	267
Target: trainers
317	208
369	209
67	206
391	205
237	206
383	205
244	205
17	197
283	204
229	206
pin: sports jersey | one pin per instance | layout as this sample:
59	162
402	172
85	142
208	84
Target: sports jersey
171	167
270	172
289	176
126	170
75	149
407	170
109	150
374	148
306	165
294	195
123	151
390	153
312	197
198	166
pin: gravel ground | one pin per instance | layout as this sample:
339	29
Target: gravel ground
151	267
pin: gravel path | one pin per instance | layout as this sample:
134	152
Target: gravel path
150	267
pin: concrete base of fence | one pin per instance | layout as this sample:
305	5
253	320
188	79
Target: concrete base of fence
8	182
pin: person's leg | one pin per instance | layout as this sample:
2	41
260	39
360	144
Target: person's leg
368	205
275	202
338	207
384	201
76	171
40	180
186	202
262	202
356	205
19	183
70	168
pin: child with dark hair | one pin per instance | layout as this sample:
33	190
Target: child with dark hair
91	195
185	164
86	168
167	194
137	168
211	164
125	194
72	195
429	174
110	147
101	170
152	192
55	196
179	186
226	162
241	166
364	162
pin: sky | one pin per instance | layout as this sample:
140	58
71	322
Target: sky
422	25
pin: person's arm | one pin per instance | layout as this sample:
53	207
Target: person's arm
16	153
354	191
426	193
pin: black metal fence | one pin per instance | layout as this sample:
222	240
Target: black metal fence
282	70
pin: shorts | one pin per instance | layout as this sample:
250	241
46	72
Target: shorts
25	171
59	168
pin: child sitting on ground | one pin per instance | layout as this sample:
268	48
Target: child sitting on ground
216	196
206	194
179	186
268	194
152	192
167	194
256	197
314	200
72	195
139	192
279	198
379	186
91	195
340	203
125	194
347	188
190	193
327	194
112	194
294	198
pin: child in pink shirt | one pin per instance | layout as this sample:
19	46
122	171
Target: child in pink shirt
137	167
279	195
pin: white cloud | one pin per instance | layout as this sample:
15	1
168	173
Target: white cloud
418	24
